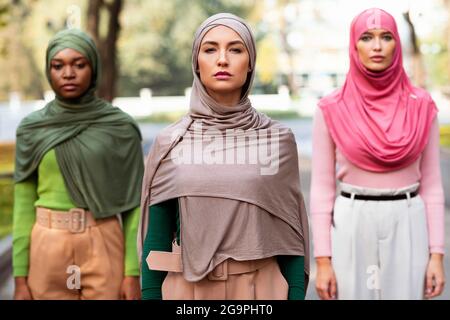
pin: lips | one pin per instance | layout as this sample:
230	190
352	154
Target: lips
222	75
377	58
69	86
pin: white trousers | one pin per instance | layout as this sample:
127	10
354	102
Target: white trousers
379	248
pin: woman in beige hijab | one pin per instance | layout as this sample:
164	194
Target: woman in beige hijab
222	215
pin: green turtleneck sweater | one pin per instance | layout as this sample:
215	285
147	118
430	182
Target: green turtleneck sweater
48	190
164	223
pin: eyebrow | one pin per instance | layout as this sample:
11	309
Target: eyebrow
74	60
214	43
371	33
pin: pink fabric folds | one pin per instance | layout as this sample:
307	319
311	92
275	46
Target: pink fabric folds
378	120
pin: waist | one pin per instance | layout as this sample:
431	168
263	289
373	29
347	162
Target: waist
171	261
375	194
75	220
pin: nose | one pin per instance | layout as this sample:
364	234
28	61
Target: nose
377	44
68	73
222	59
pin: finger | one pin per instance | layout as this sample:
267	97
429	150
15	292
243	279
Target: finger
324	292
428	285
319	291
333	289
437	290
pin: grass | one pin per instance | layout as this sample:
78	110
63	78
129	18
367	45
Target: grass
445	136
7	157
6	187
164	117
6	206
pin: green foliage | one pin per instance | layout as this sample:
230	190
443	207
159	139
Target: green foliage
445	136
6	206
155	46
437	64
5	8
6	187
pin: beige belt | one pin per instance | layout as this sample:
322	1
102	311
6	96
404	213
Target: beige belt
75	220
171	261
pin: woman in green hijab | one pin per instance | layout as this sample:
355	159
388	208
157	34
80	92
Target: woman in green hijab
78	174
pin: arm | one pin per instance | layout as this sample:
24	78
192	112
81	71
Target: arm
432	192
24	216
130	225
323	192
323	186
130	289
292	268
161	227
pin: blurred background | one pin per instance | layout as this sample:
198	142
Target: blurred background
145	47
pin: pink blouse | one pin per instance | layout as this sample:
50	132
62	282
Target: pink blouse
425	170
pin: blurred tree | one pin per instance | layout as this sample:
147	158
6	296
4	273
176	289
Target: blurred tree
108	10
17	56
5	7
153	49
155	46
447	5
284	30
418	67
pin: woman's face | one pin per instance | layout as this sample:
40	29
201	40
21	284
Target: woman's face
223	64
376	49
70	74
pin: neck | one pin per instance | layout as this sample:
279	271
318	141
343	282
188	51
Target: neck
229	99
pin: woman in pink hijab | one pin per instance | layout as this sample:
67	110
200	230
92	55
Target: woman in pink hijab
378	135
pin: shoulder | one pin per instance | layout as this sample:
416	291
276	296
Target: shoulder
421	95
330	99
172	131
426	103
31	119
113	110
274	125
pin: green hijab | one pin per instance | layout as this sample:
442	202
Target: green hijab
98	146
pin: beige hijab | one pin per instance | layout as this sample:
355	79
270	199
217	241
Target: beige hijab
236	209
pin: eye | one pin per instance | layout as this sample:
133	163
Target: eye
388	37
209	50
365	38
80	65
57	66
236	50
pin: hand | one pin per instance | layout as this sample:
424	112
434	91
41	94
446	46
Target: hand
325	280
22	291
435	278
131	289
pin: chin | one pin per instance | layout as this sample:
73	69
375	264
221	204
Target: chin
225	87
377	68
73	95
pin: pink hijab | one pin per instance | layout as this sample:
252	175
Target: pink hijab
378	120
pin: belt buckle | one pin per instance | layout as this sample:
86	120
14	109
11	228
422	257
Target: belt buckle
220	272
77	222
